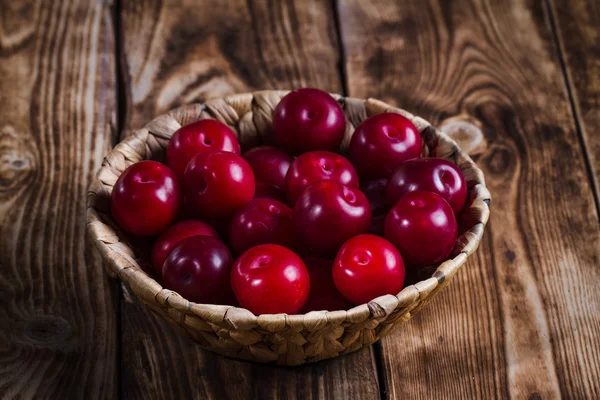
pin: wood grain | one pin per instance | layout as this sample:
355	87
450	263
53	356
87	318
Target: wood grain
576	24
177	52
58	331
522	319
160	362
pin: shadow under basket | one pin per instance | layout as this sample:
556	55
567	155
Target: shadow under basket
278	338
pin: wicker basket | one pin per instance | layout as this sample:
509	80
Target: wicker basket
280	338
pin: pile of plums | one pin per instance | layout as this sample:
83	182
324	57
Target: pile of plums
298	226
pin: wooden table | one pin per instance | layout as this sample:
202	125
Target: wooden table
517	82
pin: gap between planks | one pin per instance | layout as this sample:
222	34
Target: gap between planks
121	102
552	21
341	52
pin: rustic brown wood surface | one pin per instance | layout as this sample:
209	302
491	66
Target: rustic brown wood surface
58	317
515	82
576	24
523	317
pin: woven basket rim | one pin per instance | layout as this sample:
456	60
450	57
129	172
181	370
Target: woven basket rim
123	264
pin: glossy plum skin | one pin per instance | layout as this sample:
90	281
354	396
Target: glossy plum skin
262	221
316	166
174	235
423	227
383	142
218	183
199	137
432	175
329	213
266	191
366	267
199	269
270	279
323	296
269	165
146	198
308	119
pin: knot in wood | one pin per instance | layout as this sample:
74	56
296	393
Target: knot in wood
500	161
46	331
466	132
17	160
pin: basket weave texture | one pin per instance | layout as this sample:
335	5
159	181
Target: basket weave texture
279	338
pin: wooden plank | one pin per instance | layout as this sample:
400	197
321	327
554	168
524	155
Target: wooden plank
177	52
576	24
522	318
159	362
58	331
